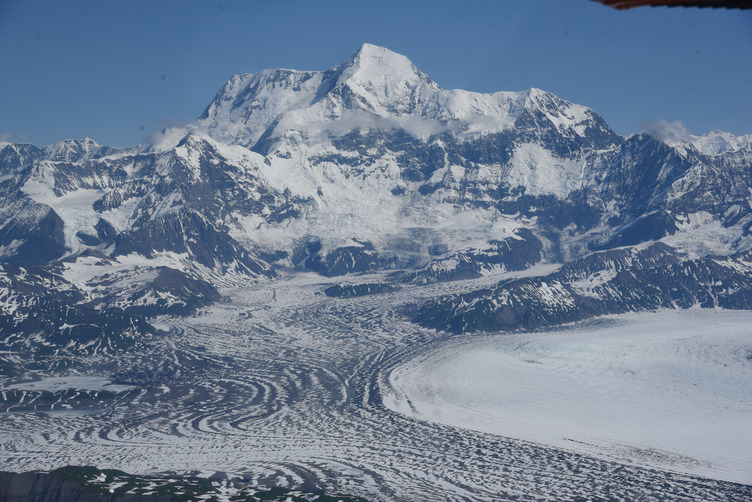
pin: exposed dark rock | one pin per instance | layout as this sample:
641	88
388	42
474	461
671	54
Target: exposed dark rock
650	227
40	240
515	253
88	484
186	294
48	306
344	260
189	232
638	282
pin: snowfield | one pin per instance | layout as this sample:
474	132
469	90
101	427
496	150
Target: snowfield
670	390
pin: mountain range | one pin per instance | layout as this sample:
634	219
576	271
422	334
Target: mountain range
369	167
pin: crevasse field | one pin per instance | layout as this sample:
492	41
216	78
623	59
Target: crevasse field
670	389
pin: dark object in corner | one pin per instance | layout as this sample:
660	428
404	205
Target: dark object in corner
715	4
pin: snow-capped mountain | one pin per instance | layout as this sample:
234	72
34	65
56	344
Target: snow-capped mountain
367	166
239	295
376	89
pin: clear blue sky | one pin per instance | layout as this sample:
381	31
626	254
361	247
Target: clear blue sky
120	70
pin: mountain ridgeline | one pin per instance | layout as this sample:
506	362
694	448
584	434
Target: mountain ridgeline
370	166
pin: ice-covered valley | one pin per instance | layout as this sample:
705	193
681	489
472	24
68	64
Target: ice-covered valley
667	389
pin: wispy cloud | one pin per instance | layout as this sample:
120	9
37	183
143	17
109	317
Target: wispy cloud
6	137
670	132
172	131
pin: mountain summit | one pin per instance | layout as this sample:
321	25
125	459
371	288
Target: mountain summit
380	89
378	80
379	70
374	80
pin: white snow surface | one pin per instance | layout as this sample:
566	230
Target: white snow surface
718	142
54	384
669	389
713	143
75	208
542	173
375	86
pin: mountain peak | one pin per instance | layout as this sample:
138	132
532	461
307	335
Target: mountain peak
377	80
87	142
370	53
380	88
369	50
376	67
72	149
